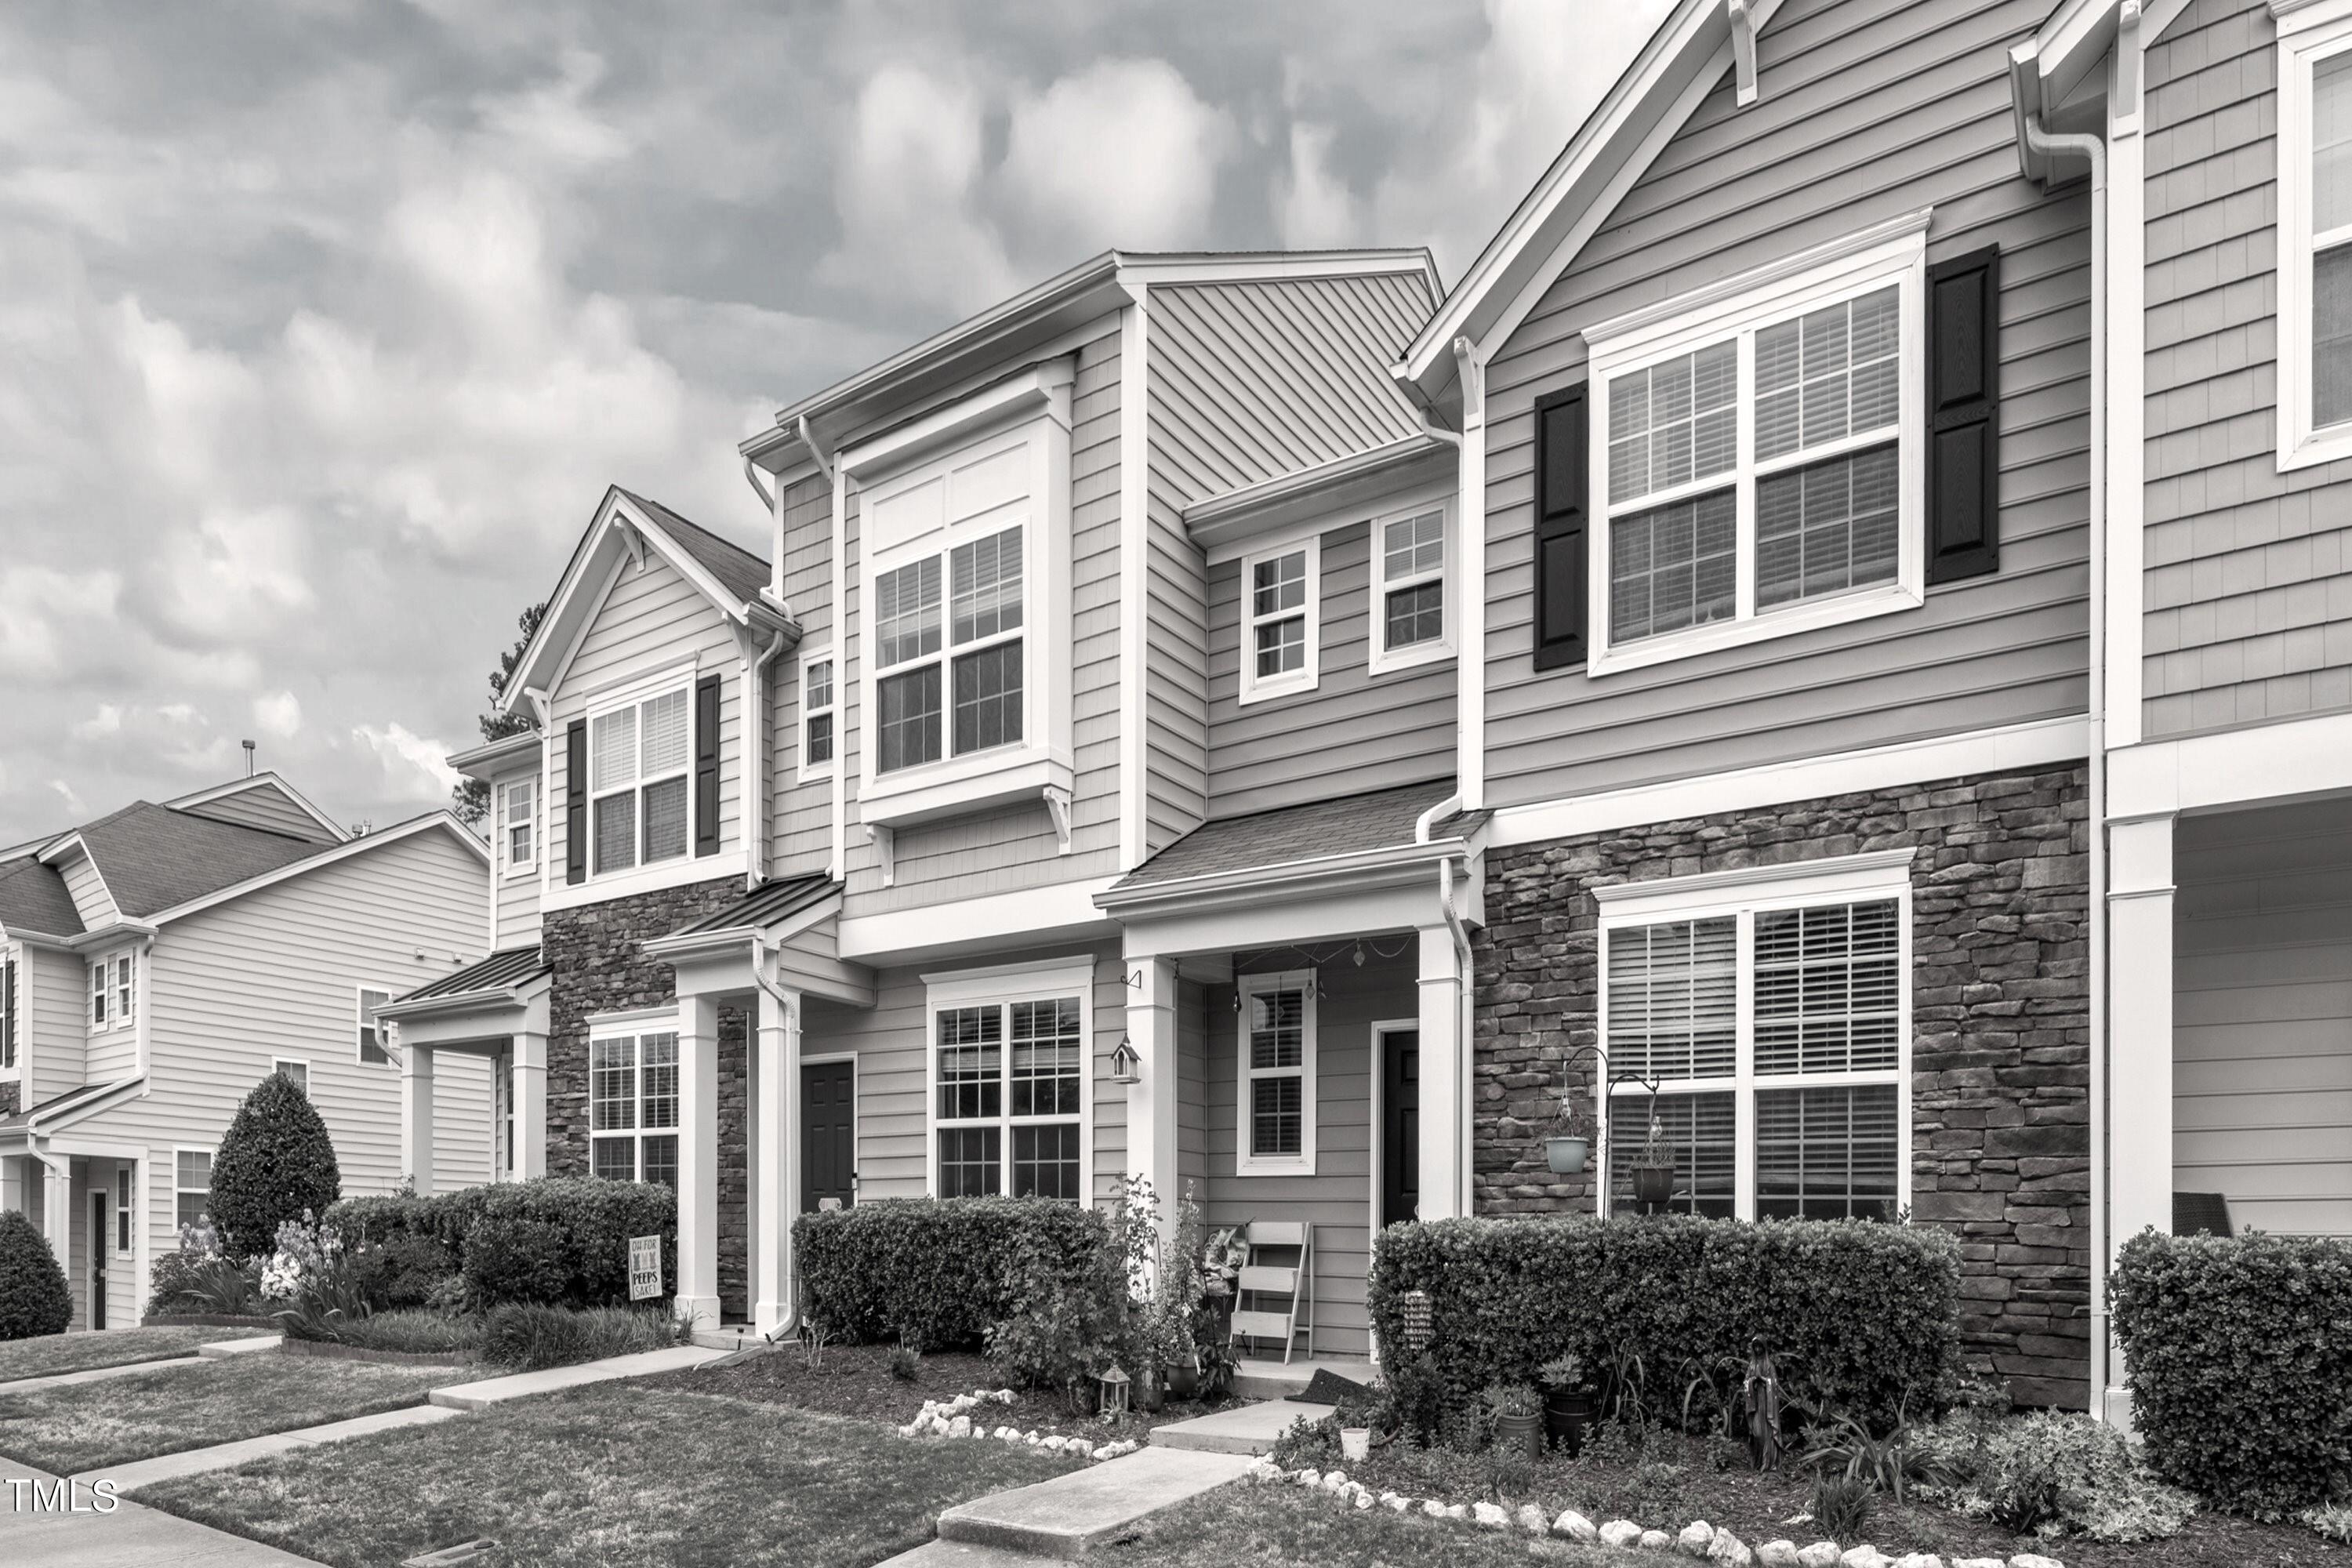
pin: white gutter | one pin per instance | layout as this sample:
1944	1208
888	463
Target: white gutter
2093	149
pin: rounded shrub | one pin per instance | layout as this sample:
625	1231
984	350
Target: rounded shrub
274	1164
33	1295
941	1273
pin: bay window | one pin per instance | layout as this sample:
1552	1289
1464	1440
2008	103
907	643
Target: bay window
1763	469
1276	1074
1008	1081
641	757
2315	236
1773	1008
632	1106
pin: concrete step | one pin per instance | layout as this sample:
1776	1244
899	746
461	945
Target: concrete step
1244	1429
1268	1377
1064	1516
964	1554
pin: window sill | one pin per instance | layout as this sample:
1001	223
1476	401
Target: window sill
962	787
1417	657
2330	445
1837	610
1250	1167
1268	690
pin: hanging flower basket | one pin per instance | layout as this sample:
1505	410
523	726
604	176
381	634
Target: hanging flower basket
1567	1155
1653	1183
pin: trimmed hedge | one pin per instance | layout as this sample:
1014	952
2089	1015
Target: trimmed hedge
275	1163
2239	1354
937	1272
34	1299
1869	1313
557	1241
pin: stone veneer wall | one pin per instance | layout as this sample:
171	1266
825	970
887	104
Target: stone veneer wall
8	1098
2001	1021
600	968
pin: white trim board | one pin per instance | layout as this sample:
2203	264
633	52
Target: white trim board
2260	763
1002	919
2041	744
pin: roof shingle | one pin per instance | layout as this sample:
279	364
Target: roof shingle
739	570
155	858
1319	829
34	897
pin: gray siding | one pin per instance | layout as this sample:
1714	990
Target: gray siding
1870	108
802	838
54	997
515	898
1356	730
890	1041
267	807
92	901
2263	1016
2248	571
654	619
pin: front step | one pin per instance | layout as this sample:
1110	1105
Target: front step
1268	1378
1064	1516
1244	1429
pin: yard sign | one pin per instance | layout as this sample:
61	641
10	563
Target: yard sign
645	1268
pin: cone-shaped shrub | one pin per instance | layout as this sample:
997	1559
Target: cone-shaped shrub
33	1297
274	1162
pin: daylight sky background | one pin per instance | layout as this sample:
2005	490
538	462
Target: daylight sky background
324	325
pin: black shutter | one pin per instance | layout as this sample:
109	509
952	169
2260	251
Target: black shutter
706	765
1964	416
1561	495
576	802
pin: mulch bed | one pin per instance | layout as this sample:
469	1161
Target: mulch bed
1756	1506
327	1350
855	1380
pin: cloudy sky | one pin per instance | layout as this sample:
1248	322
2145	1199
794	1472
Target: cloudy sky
324	325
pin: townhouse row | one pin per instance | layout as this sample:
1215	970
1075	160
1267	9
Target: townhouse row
1843	610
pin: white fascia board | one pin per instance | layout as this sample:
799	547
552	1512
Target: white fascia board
1027	919
488	760
2041	743
1363	871
1569	195
1280	266
335	856
686	566
2257	765
1039	390
266	776
1239	520
1666	896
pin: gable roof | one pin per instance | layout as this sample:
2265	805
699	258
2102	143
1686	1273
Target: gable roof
733	579
155	858
33	897
266	779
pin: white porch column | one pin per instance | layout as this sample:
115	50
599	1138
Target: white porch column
1152	1104
1443	1079
2139	1061
416	1115
774	1198
698	1160
57	1210
526	1070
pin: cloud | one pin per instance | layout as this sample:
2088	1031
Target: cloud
1120	153
1317	210
413	767
278	714
907	194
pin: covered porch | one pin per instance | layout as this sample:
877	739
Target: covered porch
496	1008
80	1188
1300	1026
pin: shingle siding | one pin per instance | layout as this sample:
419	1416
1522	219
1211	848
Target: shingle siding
2248	606
1869	108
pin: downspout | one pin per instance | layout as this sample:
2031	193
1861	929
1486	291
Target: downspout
143	998
752	477
756	756
2095	150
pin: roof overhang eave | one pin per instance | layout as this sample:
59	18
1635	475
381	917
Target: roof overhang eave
518	995
1362	872
1340	483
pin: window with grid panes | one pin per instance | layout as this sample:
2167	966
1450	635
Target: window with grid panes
1412	581
975	703
817	707
633	1092
1010	1077
640	763
1277	589
1277	1072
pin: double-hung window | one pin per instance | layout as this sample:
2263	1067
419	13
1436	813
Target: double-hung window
101	994
191	1185
1276	1074
816	715
1008	1077
1774	1012
1409	608
294	1070
371	1028
2315	236
947	653
632	1106
1763	464
113	992
517	817
640	763
1281	613
125	1207
7	1012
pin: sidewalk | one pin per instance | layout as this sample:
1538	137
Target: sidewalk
129	1535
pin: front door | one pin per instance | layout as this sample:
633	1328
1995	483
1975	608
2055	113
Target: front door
828	1134
1399	1126
98	1250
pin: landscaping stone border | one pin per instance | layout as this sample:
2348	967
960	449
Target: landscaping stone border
962	1418
327	1350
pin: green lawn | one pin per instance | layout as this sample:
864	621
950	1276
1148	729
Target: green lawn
612	1473
54	1353
1246	1523
86	1425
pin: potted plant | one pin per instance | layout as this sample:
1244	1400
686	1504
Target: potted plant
1568	1401
1654	1168
1566	1151
1517	1417
1355	1418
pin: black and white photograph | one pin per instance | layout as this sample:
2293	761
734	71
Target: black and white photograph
876	783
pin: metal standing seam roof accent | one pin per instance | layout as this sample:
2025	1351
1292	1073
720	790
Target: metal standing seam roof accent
1349	824
765	905
503	970
739	570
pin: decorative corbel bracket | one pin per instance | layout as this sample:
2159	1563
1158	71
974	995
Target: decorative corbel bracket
884	840
1057	805
1743	49
633	541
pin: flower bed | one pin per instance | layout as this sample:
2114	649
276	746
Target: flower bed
327	1351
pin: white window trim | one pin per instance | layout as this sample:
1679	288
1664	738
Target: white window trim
97	997
279	1064
1290	683
105	983
1246	1164
124	1204
515	868
359	1022
676	683
2307	35
178	1192
1890	253
1381	659
1743	893
634	1030
806	771
999	984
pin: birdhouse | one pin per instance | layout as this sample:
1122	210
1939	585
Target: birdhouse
1125	1064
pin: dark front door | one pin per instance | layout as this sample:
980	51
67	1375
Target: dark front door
1399	1126
98	1250
828	1134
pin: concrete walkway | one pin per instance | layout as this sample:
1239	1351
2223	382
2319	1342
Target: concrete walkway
1243	1430
101	1374
130	1535
222	1349
1064	1516
223	1456
522	1385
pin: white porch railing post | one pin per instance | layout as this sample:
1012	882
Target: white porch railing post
698	1161
775	1184
416	1115
528	1073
